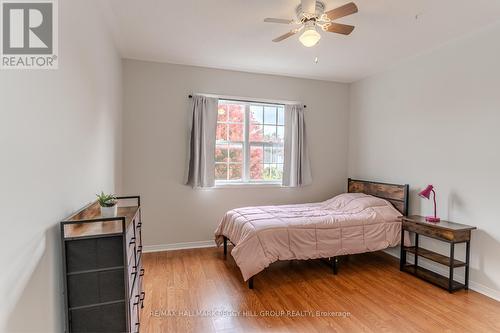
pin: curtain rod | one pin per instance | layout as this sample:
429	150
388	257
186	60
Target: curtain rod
248	101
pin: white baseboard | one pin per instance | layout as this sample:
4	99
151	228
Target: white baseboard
480	288
178	246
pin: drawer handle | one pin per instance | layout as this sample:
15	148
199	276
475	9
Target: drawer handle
143	296
138	299
137	325
138	225
132	241
139	248
142	272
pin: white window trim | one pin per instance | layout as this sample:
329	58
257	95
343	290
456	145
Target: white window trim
236	185
246	181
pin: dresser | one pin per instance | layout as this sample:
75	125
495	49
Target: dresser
102	267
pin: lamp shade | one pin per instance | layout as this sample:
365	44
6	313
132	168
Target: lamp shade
310	37
426	192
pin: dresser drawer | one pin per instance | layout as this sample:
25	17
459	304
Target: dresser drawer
430	232
106	318
134	303
135	270
95	287
134	318
130	242
137	219
142	293
132	259
138	235
132	267
94	253
132	275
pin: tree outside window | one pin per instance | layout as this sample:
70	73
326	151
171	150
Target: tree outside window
249	142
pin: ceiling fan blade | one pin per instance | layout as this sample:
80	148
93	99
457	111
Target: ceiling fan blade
343	29
308	6
277	20
285	36
342	11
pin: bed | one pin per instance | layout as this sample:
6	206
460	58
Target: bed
365	219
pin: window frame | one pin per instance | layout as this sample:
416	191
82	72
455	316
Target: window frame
245	180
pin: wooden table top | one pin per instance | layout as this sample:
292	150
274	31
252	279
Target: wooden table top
446	225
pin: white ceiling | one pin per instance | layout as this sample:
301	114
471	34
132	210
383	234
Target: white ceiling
230	34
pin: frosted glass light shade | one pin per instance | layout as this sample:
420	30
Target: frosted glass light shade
310	37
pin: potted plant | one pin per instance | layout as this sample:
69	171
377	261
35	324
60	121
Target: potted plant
108	203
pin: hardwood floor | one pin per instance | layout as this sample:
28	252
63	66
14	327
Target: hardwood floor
369	294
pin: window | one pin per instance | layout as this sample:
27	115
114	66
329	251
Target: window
249	142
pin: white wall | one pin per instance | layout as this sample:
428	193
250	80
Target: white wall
156	109
59	144
435	120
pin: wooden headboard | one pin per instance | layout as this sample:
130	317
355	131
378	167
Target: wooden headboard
394	193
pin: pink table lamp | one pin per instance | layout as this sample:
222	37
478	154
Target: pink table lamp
426	193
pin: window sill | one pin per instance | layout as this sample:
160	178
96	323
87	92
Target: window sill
249	185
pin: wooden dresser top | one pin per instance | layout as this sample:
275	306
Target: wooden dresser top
97	227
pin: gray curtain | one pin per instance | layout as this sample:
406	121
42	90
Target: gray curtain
203	125
296	169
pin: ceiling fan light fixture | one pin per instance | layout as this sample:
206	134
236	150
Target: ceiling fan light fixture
310	37
311	14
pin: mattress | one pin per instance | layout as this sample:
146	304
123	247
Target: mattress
349	223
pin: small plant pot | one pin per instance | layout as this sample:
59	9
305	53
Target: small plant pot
109	211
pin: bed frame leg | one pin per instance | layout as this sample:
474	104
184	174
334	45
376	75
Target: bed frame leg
250	283
225	246
335	265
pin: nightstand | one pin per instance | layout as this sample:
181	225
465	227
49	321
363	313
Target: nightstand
450	232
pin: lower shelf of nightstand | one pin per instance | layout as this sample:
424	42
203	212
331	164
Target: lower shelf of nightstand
434	256
432	277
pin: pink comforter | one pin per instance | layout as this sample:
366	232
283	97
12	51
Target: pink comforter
346	224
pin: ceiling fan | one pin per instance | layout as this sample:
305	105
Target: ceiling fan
311	15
